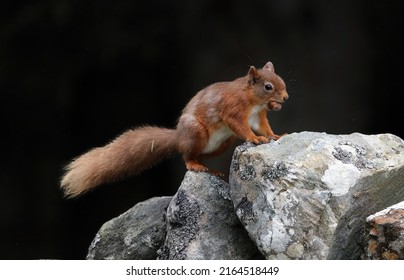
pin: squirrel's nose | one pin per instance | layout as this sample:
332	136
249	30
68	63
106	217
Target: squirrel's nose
285	96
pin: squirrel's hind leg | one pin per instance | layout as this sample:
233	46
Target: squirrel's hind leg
193	137
195	165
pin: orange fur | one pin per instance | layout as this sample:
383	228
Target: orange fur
210	122
130	153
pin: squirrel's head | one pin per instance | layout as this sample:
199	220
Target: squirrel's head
267	86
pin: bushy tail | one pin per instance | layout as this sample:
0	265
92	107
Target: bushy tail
130	153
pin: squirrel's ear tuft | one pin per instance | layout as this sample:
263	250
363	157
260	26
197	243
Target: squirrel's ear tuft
269	66
253	75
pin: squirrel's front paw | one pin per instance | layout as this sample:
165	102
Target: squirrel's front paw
263	139
276	137
259	140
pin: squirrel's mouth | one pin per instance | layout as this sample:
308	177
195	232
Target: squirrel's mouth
275	105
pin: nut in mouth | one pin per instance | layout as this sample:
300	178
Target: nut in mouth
275	105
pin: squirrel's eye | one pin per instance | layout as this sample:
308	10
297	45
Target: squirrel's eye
268	87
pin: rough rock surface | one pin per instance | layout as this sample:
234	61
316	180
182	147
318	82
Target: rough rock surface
385	234
136	234
307	195
202	223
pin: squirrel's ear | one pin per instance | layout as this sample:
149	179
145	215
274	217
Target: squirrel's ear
269	66
253	75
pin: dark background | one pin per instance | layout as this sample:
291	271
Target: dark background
75	74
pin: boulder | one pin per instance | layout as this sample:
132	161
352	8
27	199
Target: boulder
137	234
307	195
385	234
201	223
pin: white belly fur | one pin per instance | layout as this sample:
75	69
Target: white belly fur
254	119
224	132
217	138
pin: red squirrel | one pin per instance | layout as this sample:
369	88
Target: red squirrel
210	123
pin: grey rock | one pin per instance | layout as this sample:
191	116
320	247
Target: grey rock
201	223
136	234
307	195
